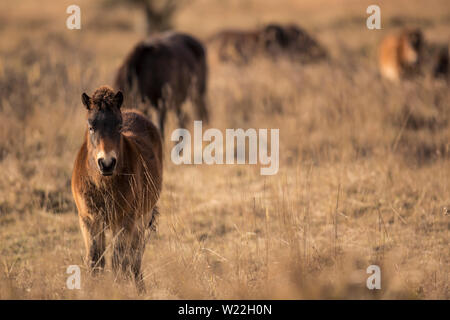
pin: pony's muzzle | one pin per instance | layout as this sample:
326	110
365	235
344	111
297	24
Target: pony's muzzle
107	166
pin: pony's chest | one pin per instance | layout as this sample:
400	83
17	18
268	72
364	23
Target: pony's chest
108	202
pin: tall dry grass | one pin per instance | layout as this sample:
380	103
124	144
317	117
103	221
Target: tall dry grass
364	164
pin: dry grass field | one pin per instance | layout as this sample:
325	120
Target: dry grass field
364	172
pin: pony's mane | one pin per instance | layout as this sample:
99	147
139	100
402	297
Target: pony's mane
103	97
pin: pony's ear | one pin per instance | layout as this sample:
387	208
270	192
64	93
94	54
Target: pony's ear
118	99
86	100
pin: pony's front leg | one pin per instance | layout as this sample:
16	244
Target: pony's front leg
128	250
94	241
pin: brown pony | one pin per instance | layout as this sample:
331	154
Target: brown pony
116	182
400	55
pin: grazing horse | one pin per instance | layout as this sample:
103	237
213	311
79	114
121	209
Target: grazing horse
272	40
116	182
165	70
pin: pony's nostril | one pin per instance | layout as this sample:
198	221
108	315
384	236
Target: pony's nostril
100	163
113	163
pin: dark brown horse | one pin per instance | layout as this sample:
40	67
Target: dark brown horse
116	182
272	40
164	71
